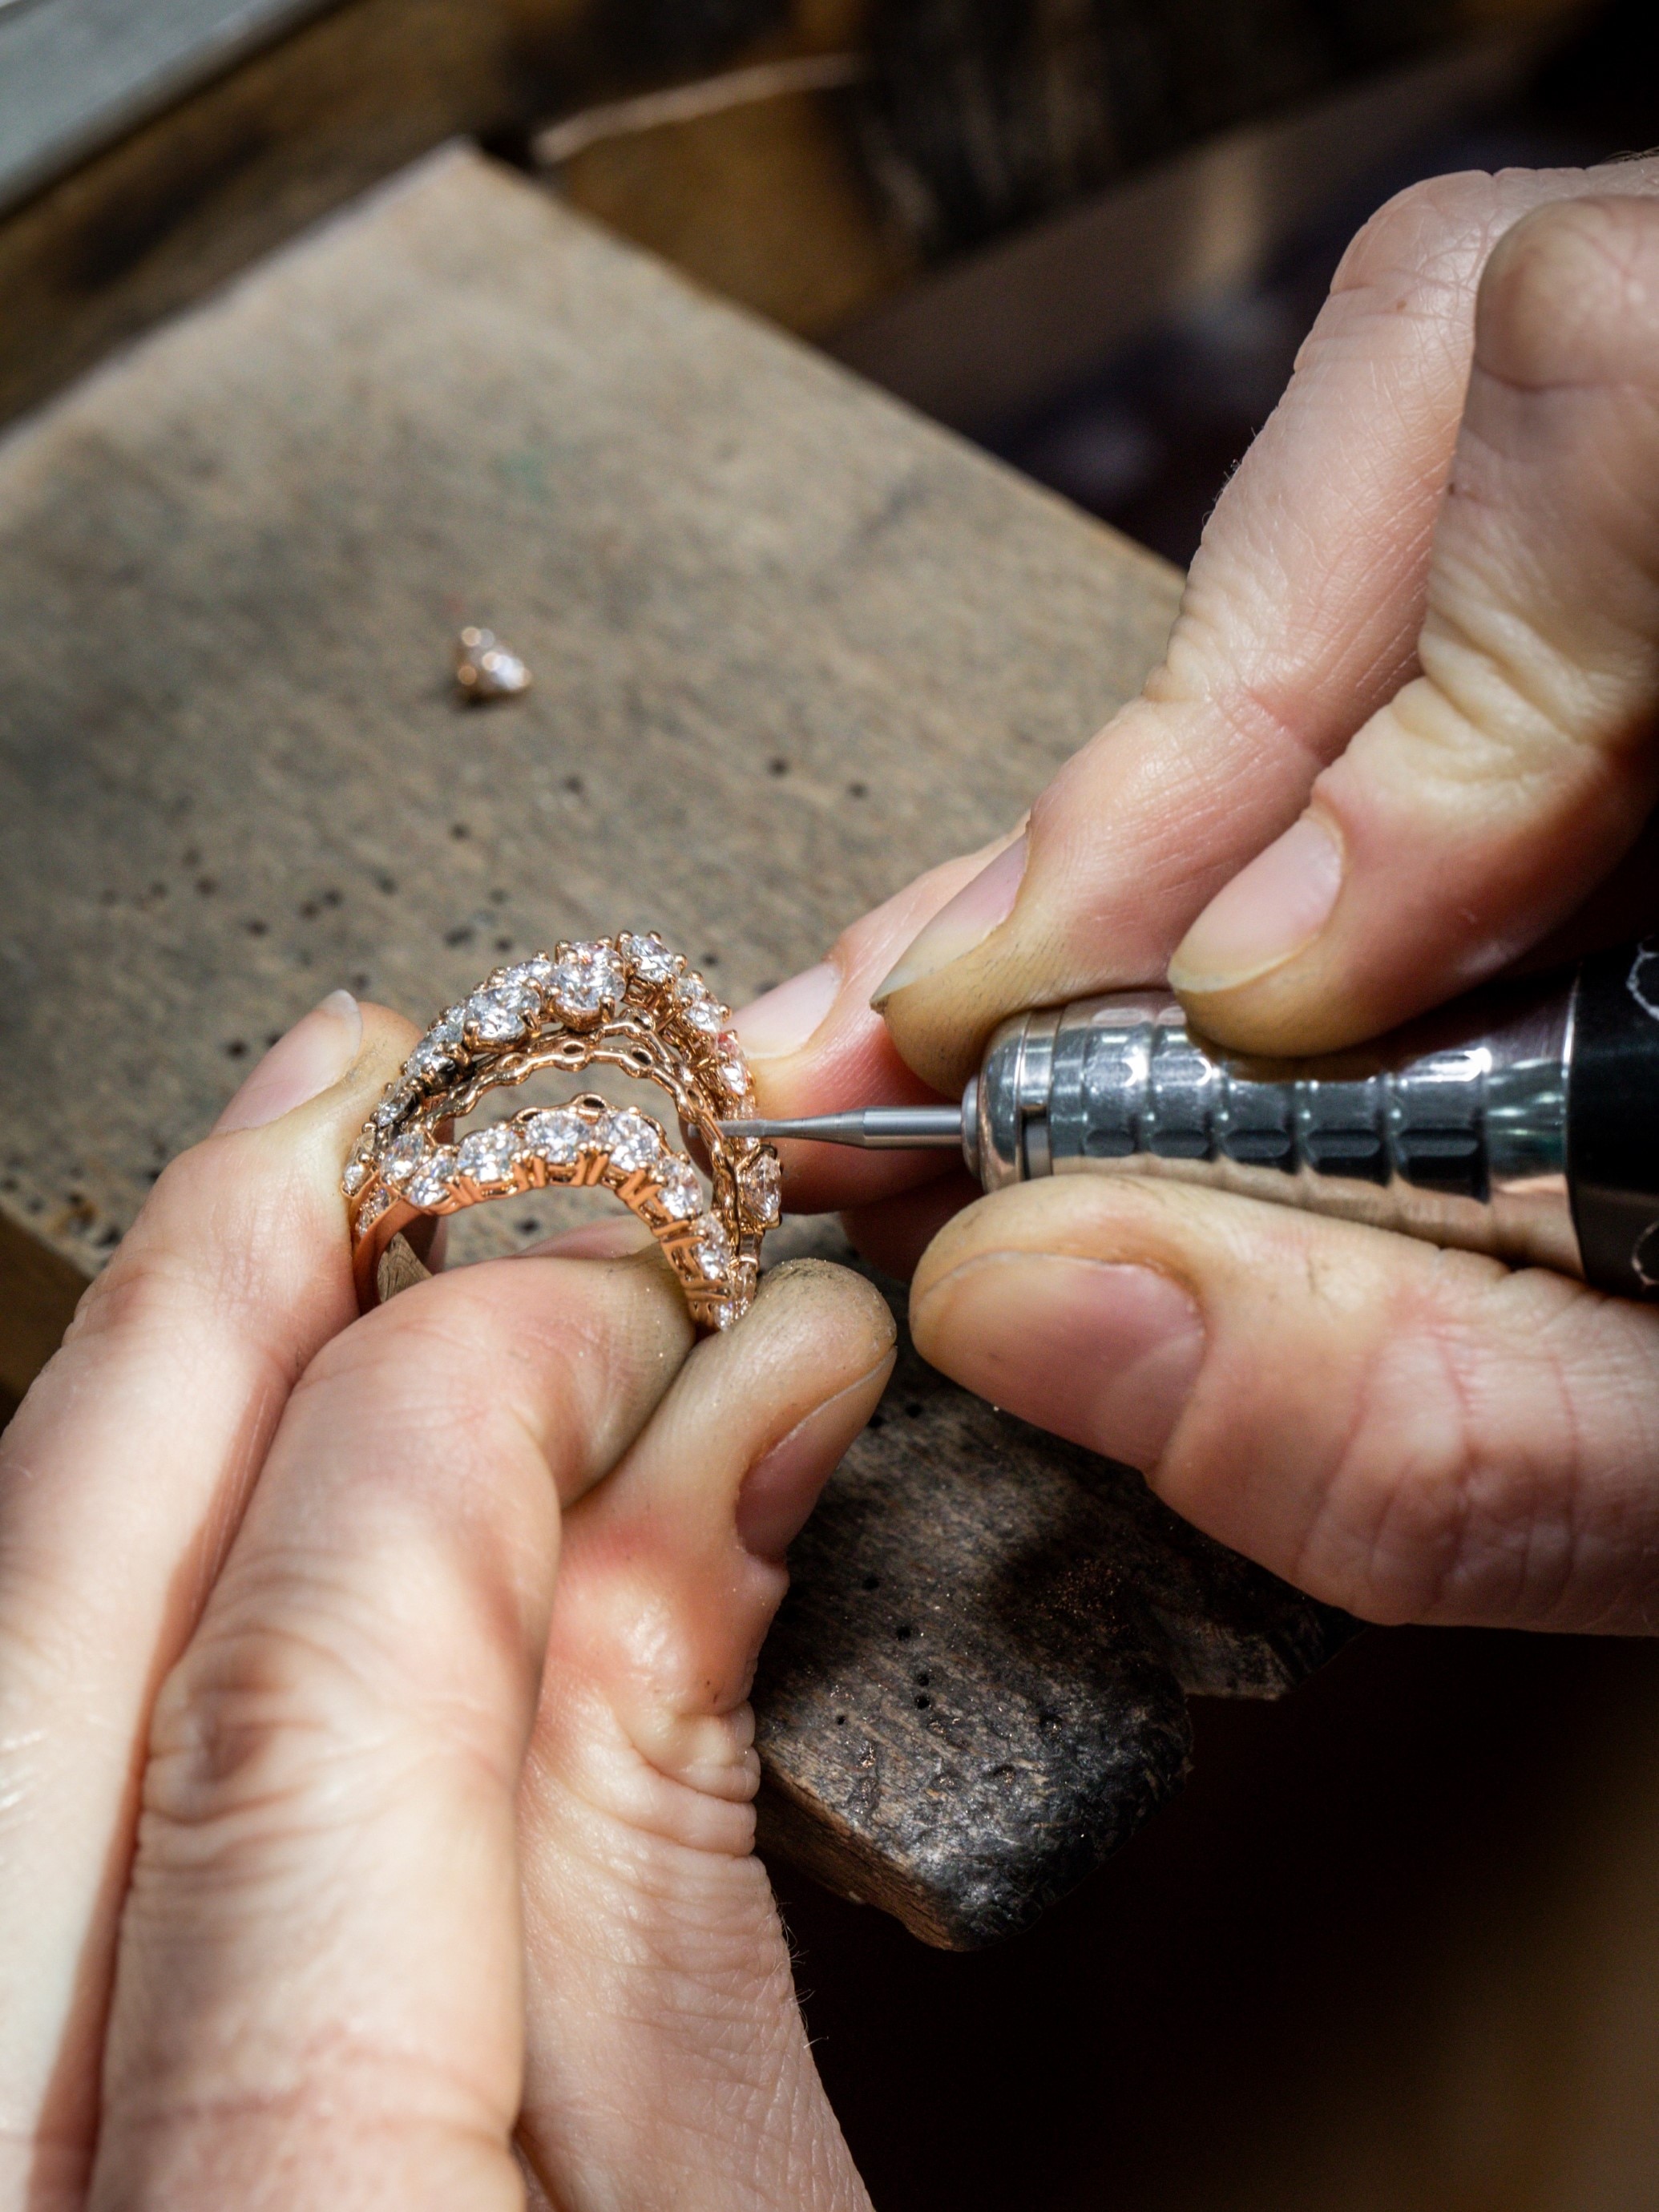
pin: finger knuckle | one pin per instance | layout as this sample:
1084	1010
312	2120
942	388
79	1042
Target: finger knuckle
1464	1484
241	1734
209	1252
275	1732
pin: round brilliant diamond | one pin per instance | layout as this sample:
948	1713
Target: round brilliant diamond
404	1157
431	1058
501	1014
537	970
650	959
632	1141
430	1186
697	1005
588	981
713	1247
734	1068
556	1136
486	1155
681	1196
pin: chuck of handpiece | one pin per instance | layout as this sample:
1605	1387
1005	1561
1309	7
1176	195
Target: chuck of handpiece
1518	1121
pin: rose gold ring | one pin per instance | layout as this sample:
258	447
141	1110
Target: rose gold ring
627	1002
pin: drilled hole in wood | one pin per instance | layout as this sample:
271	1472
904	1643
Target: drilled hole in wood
236	1048
904	1631
459	830
872	1581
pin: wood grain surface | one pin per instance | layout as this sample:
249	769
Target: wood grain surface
790	643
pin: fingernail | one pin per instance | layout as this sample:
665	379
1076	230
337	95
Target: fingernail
977	909
782	1021
300	1066
1268	913
1104	1353
781	1488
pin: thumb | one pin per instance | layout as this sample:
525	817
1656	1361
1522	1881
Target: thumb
1475	812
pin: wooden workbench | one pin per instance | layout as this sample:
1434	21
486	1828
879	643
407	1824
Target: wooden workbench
791	644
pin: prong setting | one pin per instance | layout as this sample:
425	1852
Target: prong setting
628	1002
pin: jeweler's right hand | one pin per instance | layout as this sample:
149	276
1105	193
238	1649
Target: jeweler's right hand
1403	739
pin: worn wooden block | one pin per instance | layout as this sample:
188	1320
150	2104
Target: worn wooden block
977	1686
790	644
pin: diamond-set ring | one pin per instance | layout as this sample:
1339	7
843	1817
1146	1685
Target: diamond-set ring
628	1003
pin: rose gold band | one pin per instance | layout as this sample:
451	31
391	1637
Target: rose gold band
625	1002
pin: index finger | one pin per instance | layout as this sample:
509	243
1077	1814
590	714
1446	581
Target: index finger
121	1479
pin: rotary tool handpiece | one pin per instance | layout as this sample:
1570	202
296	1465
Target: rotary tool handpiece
1521	1122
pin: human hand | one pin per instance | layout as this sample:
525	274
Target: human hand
339	1862
1402	740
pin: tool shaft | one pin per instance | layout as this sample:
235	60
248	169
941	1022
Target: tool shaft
873	1129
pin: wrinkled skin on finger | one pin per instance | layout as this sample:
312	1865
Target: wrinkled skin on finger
1472	814
659	1990
1413	1434
122	1480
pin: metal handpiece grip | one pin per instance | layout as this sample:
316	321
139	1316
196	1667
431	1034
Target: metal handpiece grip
1457	1133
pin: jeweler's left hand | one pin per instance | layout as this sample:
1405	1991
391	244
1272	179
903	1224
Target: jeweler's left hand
344	1859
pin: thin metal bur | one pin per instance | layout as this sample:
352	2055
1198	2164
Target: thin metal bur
873	1128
